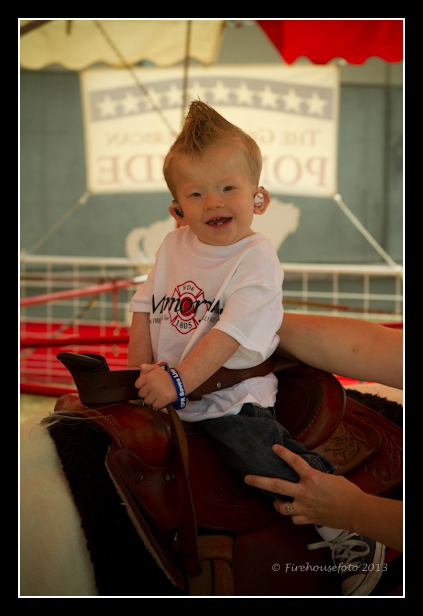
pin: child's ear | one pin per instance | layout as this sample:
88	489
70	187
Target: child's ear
177	213
261	200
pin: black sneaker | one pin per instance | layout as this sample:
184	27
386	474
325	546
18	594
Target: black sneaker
358	559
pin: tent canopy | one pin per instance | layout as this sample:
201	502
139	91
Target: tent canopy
80	43
321	40
77	44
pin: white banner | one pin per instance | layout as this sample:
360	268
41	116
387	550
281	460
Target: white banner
292	113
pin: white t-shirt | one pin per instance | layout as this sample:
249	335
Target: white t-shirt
194	287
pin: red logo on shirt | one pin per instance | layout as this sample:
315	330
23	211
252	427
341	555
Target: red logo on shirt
183	307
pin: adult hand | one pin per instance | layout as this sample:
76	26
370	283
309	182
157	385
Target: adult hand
319	498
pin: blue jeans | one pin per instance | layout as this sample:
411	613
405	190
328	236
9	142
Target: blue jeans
245	441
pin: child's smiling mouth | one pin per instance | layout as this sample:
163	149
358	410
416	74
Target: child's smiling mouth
219	221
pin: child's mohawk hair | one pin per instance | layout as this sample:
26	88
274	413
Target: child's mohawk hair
204	128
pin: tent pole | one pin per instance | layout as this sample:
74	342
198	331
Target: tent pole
32	25
130	68
186	68
83	199
338	199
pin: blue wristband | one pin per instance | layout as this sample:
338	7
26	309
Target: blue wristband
182	397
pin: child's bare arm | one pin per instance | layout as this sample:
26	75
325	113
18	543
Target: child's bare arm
156	386
139	348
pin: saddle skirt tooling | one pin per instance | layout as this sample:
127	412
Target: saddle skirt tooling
205	528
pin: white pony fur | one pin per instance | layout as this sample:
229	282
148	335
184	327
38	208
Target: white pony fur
54	558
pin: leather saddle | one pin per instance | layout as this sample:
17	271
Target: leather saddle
205	528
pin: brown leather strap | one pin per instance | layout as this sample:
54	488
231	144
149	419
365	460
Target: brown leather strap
97	384
188	532
227	378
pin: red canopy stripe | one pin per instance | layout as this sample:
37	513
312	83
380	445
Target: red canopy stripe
355	40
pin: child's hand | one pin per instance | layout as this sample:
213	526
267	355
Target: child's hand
155	386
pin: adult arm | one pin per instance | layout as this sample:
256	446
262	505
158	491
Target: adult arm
348	347
334	501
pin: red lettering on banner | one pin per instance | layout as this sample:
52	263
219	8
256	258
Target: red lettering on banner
144	170
317	166
108	170
139	168
287	170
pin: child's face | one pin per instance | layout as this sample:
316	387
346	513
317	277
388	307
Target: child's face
215	193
